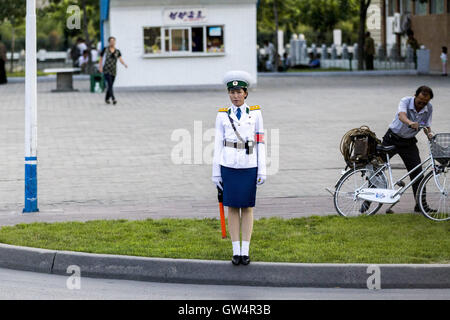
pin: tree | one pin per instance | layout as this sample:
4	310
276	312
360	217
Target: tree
91	19
286	11
324	15
321	15
363	6
14	12
276	14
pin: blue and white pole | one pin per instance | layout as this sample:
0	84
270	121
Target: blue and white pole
31	202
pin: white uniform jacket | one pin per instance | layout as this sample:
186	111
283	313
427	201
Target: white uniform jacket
250	128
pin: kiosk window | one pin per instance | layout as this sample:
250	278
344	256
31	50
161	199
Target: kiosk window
186	40
179	39
214	39
152	40
197	39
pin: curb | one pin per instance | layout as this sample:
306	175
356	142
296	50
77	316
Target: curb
51	77
223	272
340	73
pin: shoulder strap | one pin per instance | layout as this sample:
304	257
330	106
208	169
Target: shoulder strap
234	128
223	109
252	108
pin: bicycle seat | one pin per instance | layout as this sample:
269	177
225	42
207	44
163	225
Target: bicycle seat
385	149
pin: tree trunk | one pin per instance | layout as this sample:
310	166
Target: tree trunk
363	6
13	47
275	14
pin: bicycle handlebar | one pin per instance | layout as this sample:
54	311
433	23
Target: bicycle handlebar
421	128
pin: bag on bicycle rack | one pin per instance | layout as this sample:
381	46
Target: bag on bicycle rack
358	146
440	148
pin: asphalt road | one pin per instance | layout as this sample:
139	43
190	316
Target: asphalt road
28	285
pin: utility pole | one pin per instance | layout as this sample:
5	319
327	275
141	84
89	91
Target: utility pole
31	202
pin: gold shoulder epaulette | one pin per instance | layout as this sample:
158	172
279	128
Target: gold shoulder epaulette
252	108
223	109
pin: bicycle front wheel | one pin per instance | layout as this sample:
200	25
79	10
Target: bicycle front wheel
346	202
433	195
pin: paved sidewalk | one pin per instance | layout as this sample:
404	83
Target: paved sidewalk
266	207
98	160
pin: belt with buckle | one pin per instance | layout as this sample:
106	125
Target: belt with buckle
236	145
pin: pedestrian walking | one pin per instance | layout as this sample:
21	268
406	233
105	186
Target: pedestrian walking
108	66
444	60
369	51
3	78
413	43
239	163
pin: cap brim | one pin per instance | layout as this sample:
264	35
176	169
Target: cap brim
237	88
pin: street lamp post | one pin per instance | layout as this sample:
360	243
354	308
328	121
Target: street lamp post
31	202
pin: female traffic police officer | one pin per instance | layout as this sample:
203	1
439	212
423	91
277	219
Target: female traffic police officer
239	161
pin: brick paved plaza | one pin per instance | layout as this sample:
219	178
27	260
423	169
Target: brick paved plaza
117	161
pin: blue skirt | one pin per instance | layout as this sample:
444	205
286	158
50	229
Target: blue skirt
239	187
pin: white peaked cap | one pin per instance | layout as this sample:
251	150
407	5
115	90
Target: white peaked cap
237	75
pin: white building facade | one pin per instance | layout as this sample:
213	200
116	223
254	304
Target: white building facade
182	43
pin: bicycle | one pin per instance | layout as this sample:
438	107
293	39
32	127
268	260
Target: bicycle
363	191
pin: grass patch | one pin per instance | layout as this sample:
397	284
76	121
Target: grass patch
401	238
22	74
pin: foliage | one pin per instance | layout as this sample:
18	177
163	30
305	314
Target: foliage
316	19
57	12
13	11
52	32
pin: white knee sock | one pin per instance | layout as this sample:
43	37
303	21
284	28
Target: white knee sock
245	248
236	248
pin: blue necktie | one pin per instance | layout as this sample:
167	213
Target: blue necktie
238	113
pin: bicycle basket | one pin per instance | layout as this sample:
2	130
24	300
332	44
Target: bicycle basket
440	147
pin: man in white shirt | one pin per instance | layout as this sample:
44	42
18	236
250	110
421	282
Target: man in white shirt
412	112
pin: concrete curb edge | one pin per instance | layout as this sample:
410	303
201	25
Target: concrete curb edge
223	272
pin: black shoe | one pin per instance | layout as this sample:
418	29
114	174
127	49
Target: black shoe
245	260
236	260
426	207
364	207
114	101
107	101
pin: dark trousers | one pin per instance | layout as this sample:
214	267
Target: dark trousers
109	78
3	79
408	151
369	62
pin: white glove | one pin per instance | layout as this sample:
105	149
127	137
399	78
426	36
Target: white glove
218	182
261	179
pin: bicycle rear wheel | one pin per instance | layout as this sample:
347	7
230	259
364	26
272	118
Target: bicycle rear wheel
346	202
433	195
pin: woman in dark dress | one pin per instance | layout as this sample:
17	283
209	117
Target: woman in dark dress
110	55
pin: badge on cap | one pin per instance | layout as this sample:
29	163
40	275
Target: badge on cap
235	83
